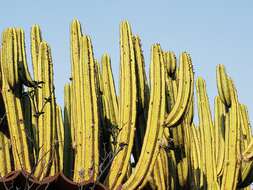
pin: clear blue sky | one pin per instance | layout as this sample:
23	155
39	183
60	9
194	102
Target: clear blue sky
212	32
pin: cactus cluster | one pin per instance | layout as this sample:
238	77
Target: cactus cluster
143	138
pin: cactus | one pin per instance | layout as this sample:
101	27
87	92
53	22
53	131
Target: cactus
222	85
156	112
145	138
91	122
60	137
12	92
127	109
206	131
68	155
46	112
110	100
5	161
219	128
231	168
142	98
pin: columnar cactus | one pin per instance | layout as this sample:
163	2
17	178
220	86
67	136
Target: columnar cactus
145	138
207	136
153	135
46	112
127	108
13	62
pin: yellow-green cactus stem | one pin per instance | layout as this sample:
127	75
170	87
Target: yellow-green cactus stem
206	127
10	58
106	135
91	111
219	128
77	94
154	130
173	179
127	108
180	154
184	142
165	166
142	98
170	62
29	129
36	39
12	92
68	133
246	174
60	136
5	161
109	135
110	98
248	152
185	85
189	112
109	87
23	72
202	166
245	125
180	131
232	140
171	86
46	123
1	79
159	174
55	168
222	85
195	157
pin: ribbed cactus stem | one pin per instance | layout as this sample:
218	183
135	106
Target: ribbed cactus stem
91	117
68	132
36	39
23	72
245	126
142	98
223	85
246	175
154	130
195	157
76	97
219	127
158	174
170	62
206	129
110	99
60	137
12	92
109	87
46	101
232	140
5	161
185	86
127	109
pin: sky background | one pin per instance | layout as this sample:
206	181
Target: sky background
213	32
